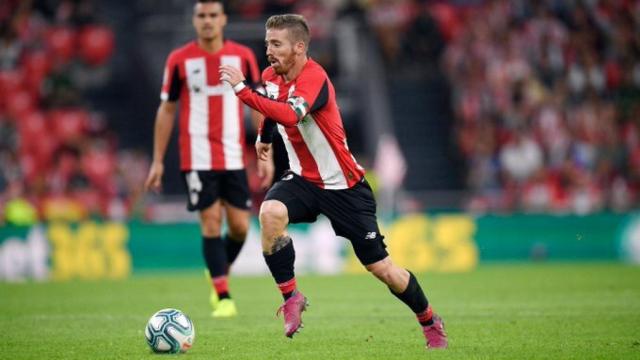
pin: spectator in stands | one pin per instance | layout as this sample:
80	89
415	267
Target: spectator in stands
563	75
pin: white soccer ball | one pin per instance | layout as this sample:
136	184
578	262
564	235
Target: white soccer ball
170	331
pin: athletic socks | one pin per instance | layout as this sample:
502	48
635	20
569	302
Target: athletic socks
221	284
232	248
280	264
215	257
425	318
415	299
287	288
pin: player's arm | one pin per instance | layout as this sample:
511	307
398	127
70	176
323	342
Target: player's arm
265	164
161	136
165	115
285	113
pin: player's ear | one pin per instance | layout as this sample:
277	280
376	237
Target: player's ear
300	48
224	19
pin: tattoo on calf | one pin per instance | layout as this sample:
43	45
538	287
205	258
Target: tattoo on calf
279	243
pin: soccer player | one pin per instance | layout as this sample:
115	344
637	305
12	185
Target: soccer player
211	142
324	177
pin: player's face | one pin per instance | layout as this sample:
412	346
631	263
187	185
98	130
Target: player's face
209	20
281	50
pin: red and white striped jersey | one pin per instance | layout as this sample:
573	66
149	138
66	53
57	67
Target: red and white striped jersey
310	124
211	130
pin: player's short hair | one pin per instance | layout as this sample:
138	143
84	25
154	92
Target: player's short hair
221	2
296	24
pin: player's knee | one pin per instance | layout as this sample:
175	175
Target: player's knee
273	215
210	225
238	228
210	229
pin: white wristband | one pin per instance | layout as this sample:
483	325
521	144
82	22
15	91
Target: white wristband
239	86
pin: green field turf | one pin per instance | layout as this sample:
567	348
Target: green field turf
518	311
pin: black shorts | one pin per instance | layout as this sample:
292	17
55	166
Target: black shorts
352	212
205	187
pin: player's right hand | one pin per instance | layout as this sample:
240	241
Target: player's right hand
154	180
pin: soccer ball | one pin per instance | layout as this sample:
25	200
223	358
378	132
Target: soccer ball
170	331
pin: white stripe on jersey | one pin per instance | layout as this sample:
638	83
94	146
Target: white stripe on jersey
196	70
231	120
319	147
294	161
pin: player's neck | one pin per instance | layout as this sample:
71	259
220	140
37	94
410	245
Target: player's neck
211	46
296	69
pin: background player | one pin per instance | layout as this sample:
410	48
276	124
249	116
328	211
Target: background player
211	142
324	178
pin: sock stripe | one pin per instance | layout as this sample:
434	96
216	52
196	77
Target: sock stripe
287	286
221	284
425	316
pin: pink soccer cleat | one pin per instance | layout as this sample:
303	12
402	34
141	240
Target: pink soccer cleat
292	310
435	335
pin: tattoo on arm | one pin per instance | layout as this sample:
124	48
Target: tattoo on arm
279	243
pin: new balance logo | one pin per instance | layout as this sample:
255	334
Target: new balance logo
371	235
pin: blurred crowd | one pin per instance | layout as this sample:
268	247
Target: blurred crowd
58	159
546	96
547	101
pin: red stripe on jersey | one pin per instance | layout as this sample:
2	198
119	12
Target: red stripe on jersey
215	133
215	117
184	142
309	166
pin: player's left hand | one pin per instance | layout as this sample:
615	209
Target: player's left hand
265	172
231	75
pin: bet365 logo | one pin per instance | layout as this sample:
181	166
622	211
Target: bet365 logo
89	251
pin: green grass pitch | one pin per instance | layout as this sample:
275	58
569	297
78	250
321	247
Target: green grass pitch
506	311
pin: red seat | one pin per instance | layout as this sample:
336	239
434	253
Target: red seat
96	44
61	41
37	65
19	102
69	124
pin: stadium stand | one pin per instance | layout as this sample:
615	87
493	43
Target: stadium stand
498	106
547	103
57	155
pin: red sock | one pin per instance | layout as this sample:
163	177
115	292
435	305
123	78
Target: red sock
287	288
425	318
221	284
